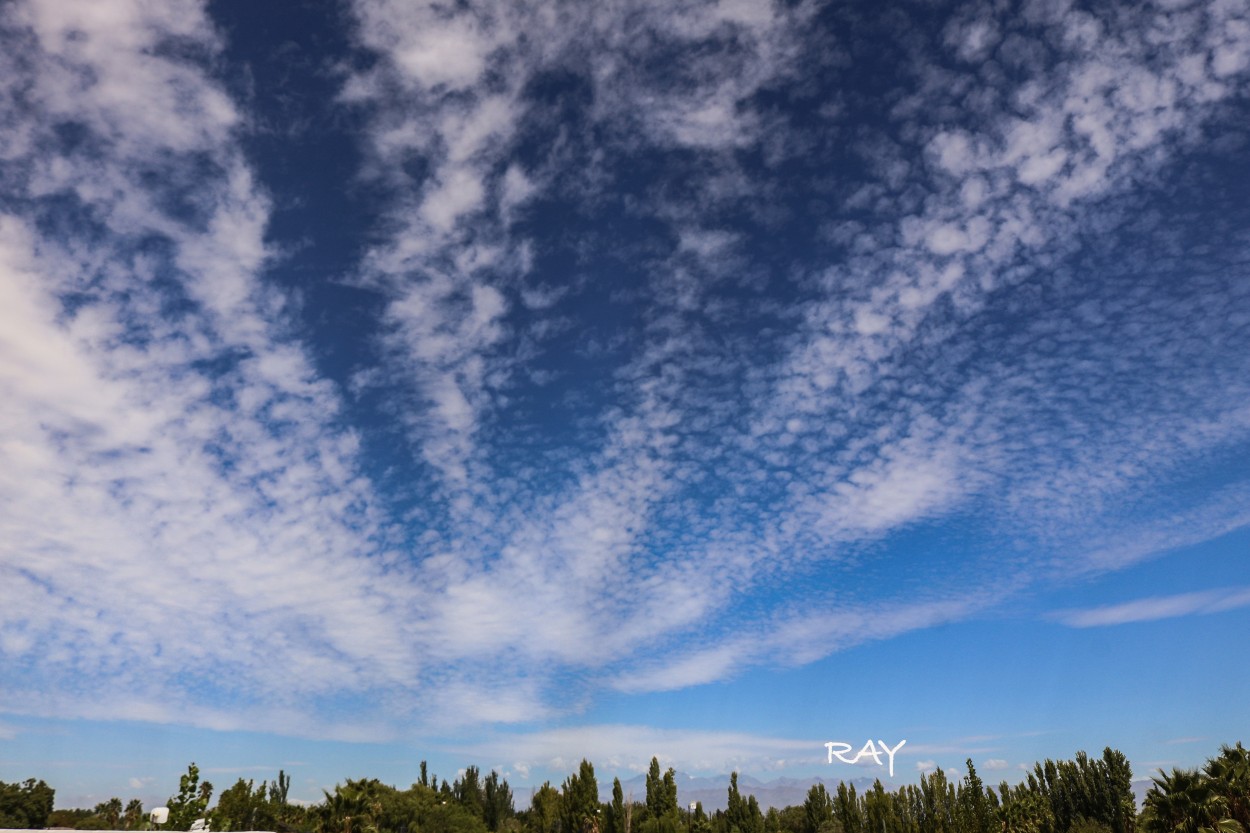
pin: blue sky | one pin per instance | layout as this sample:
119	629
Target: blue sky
509	383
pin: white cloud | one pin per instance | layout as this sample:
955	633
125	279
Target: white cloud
150	529
432	49
696	669
1157	607
457	194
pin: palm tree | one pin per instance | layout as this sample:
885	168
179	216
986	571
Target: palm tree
351	807
1230	775
1187	801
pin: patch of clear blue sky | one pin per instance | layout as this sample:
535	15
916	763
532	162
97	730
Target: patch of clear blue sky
1010	683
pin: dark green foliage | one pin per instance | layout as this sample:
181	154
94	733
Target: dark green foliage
975	812
1193	801
497	802
580	794
668	789
1078	796
245	807
27	804
354	807
543	815
66	818
192	800
793	819
132	818
368	806
107	815
817	809
699	822
1085	790
1084	825
449	818
655	790
847	810
882	812
468	791
742	815
1229	773
1022	810
934	804
110	812
662	813
614	815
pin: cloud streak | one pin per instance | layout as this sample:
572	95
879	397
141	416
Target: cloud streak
1157	607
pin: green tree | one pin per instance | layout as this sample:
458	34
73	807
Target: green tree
66	817
1084	825
191	802
662	813
27	804
1023	810
614	818
468	791
132	818
1117	775
543	815
448	816
279	788
847	810
1085	790
110	812
655	790
498	806
880	812
935	810
1186	801
975	812
356	806
817	810
792	819
742	815
1229	773
248	807
699	822
581	801
94	821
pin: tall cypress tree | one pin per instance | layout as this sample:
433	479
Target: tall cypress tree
975	813
817	809
581	801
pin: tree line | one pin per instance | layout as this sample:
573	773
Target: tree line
1082	795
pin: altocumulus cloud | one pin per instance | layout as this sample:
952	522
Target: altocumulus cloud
174	476
675	307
